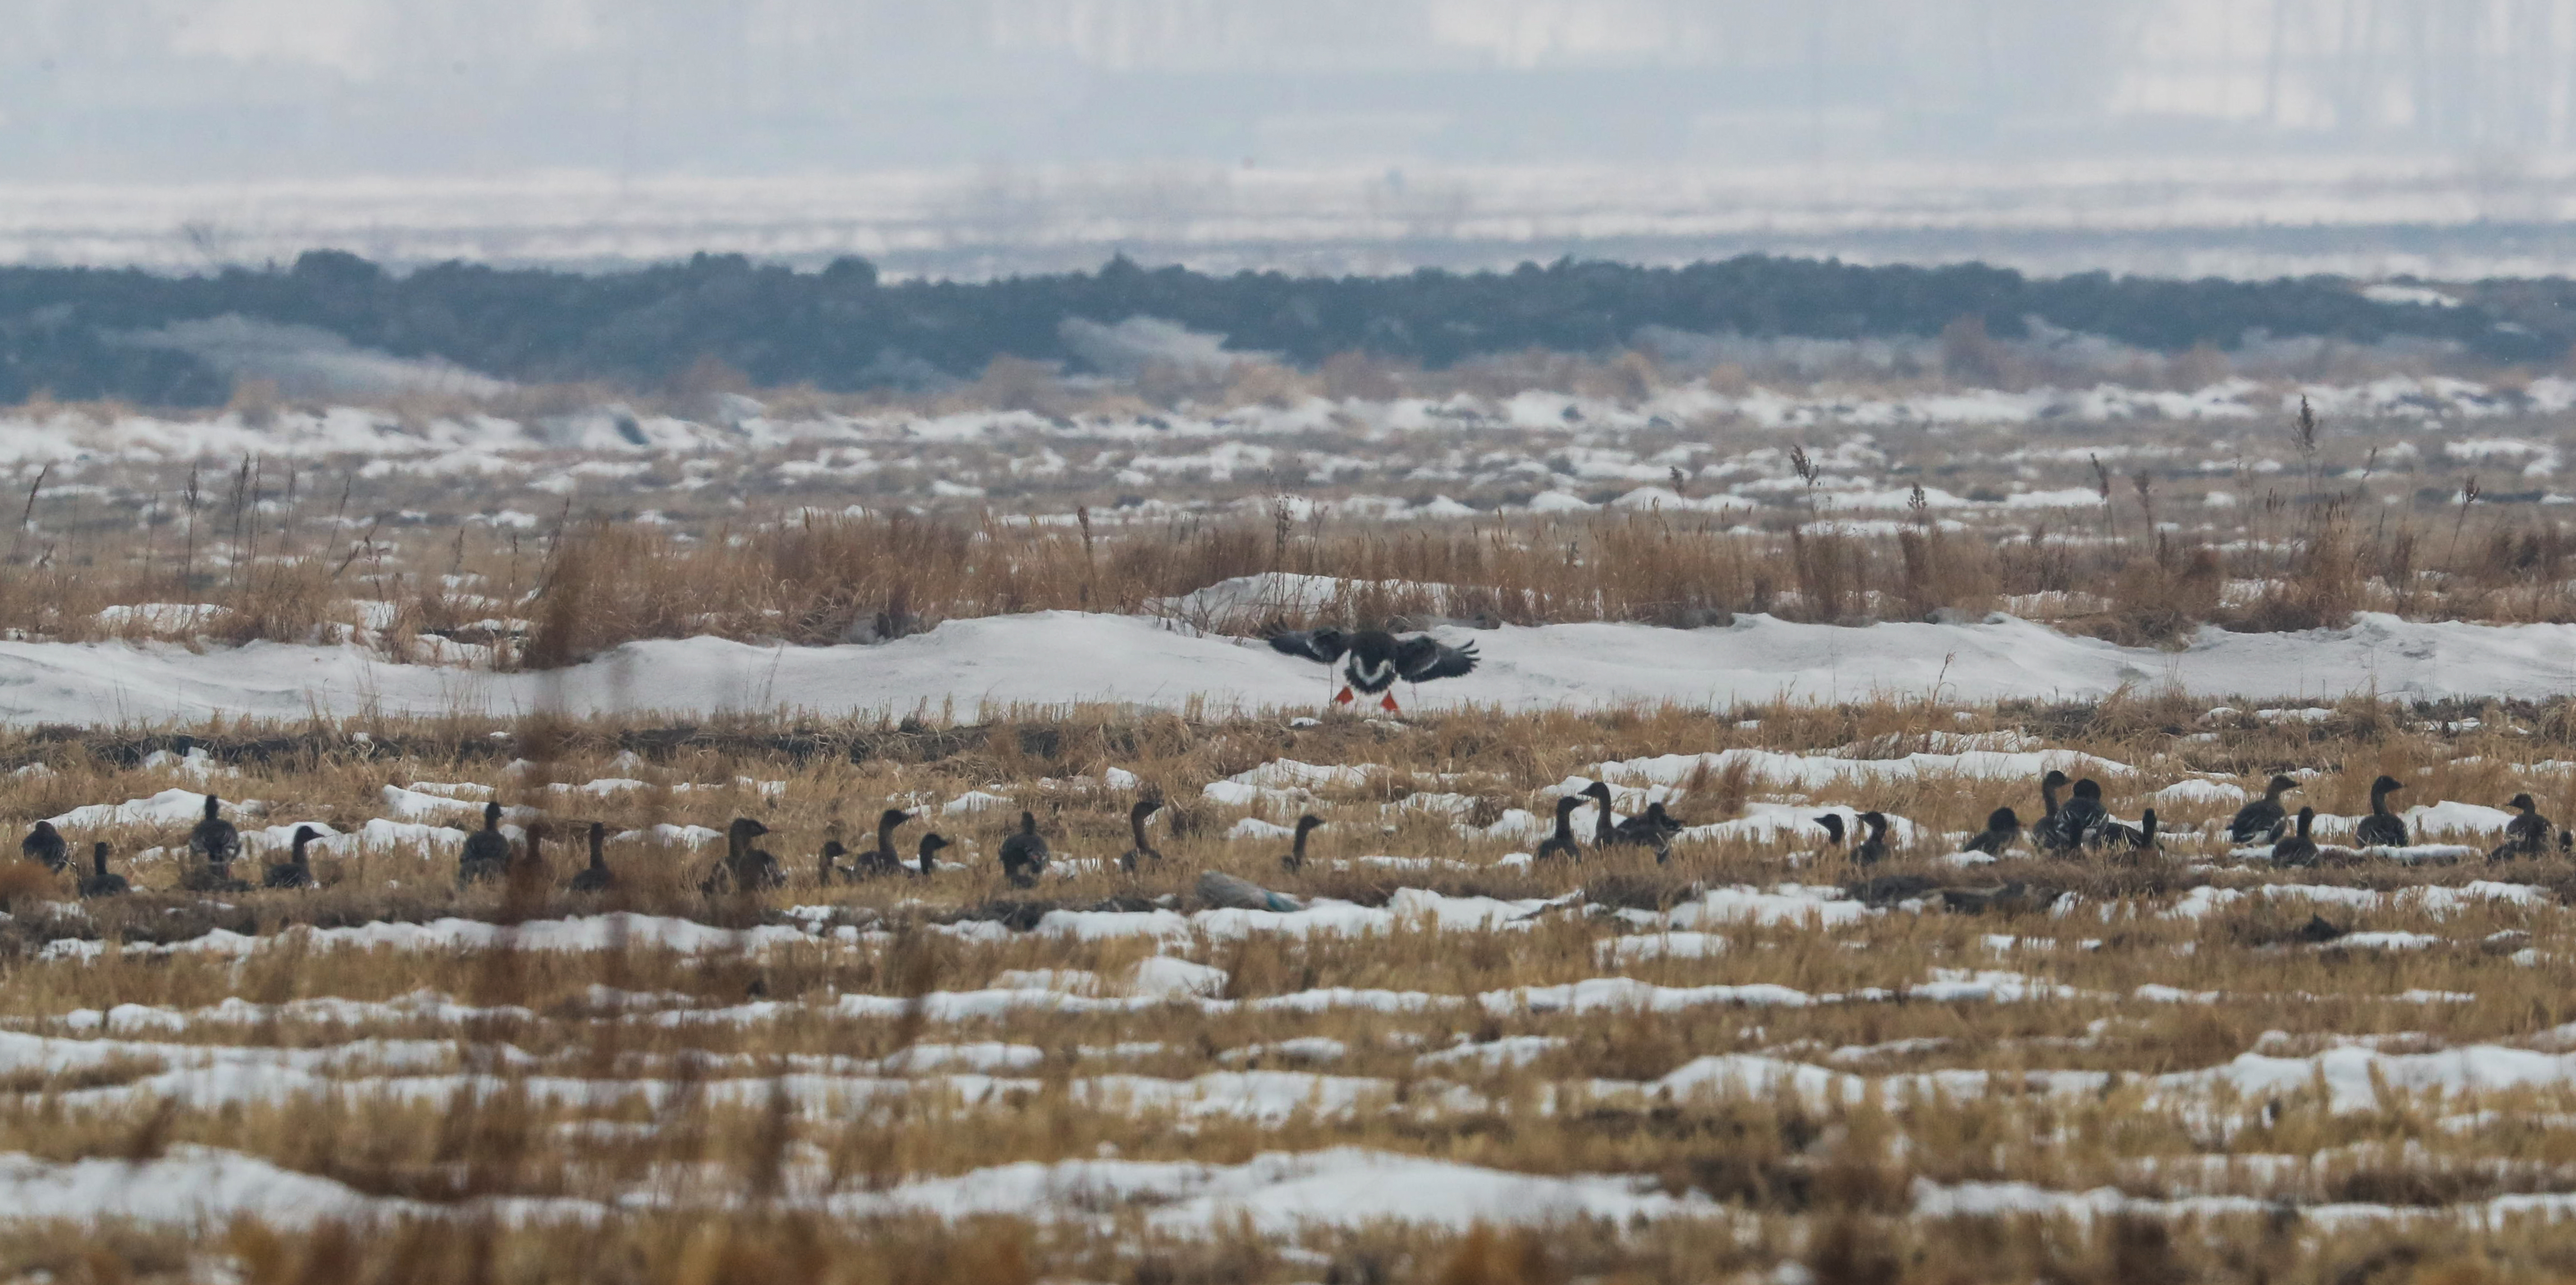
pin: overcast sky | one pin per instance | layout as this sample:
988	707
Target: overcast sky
187	90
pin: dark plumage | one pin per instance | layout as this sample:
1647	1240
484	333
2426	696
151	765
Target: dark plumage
1024	855
1654	829
2382	828
2262	820
2078	821
1141	851
930	845
885	860
487	851
595	877
1833	824
45	844
829	869
2298	849
2526	835
297	870
2003	826
98	882
1873	849
214	842
2138	837
1372	659
1561	843
1603	828
750	868
1296	858
2049	785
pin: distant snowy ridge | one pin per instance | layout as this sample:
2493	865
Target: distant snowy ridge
1063	658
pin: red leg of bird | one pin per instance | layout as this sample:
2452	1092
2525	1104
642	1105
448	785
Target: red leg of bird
1344	698
1387	703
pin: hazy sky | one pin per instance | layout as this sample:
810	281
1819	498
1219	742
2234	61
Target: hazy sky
190	90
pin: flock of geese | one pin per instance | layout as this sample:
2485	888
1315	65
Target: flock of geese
2074	824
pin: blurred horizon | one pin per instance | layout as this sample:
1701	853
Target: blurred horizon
994	136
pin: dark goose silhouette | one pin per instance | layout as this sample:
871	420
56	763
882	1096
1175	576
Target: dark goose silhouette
595	877
2382	828
1141	851
2042	832
2526	835
830	869
214	842
45	843
2297	849
1372	659
2139	837
98	882
1296	858
1024	855
1654	828
751	868
1833	824
297	870
2002	828
1874	849
931	843
2079	819
1603	829
487	851
885	860
1561	843
2262	820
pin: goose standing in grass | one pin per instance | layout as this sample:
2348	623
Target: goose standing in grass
1024	855
2298	849
2262	820
98	882
2049	785
1654	828
1873	849
297	870
2527	835
487	851
1604	830
2382	828
215	842
1296	858
45	844
595	877
2002	828
1372	659
1141	852
1561	843
885	860
931	843
750	868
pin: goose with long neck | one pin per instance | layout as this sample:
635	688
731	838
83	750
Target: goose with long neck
2299	849
931	843
487	851
885	860
1604	831
297	870
1140	851
2527	835
595	877
744	868
2262	820
1296	858
2382	828
1561	844
99	883
215	842
1874	849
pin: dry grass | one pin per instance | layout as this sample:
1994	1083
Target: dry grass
741	1127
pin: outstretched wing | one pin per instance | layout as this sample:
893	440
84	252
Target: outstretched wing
1422	658
1324	645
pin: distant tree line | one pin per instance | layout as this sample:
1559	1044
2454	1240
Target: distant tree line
66	331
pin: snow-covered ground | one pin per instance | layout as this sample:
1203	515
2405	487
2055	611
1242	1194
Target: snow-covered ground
1061	658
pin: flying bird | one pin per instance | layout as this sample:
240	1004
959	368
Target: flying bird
1372	659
